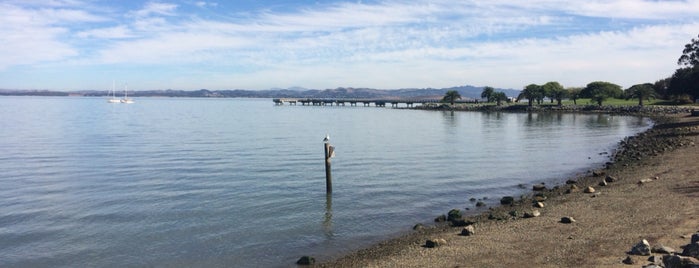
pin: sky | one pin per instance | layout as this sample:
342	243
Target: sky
257	44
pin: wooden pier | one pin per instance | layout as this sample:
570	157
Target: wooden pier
364	102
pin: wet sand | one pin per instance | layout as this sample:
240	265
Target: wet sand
664	209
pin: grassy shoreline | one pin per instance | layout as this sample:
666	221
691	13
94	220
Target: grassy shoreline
668	134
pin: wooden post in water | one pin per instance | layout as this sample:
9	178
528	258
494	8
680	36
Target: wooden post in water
329	153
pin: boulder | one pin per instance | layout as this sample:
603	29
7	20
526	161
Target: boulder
691	250
306	260
674	261
461	223
695	238
539	187
589	190
642	248
507	200
567	220
434	243
468	230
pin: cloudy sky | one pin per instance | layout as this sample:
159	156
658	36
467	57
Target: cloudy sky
262	44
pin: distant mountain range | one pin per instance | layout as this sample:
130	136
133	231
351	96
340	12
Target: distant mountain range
466	92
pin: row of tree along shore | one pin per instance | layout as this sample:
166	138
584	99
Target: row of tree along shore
680	88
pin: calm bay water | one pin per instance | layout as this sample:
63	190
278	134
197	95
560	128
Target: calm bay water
241	182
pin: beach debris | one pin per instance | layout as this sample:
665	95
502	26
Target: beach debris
661	249
535	213
468	231
437	242
539	204
507	200
589	190
628	260
306	260
539	187
610	179
418	227
568	219
674	261
642	248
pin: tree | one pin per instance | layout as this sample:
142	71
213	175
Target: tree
488	93
555	91
574	94
499	97
640	91
451	96
600	91
690	54
531	92
684	84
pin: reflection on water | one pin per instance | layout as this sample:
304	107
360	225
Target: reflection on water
328	217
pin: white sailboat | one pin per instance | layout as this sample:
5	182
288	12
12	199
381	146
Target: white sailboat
113	99
126	96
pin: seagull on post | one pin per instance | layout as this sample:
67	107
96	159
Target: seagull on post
327	138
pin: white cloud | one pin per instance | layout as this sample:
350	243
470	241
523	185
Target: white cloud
156	8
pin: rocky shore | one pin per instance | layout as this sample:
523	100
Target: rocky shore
640	210
653	110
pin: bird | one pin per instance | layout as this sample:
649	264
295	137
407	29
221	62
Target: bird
327	138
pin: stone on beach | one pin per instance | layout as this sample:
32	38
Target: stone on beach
453	215
539	204
533	214
642	248
507	200
468	230
589	190
306	260
691	250
674	261
610	179
695	238
437	242
568	219
661	249
539	187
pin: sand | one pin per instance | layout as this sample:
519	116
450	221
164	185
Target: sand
663	210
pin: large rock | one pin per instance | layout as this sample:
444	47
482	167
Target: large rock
695	238
589	190
674	261
691	250
642	248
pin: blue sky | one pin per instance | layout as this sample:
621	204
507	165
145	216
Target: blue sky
190	45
